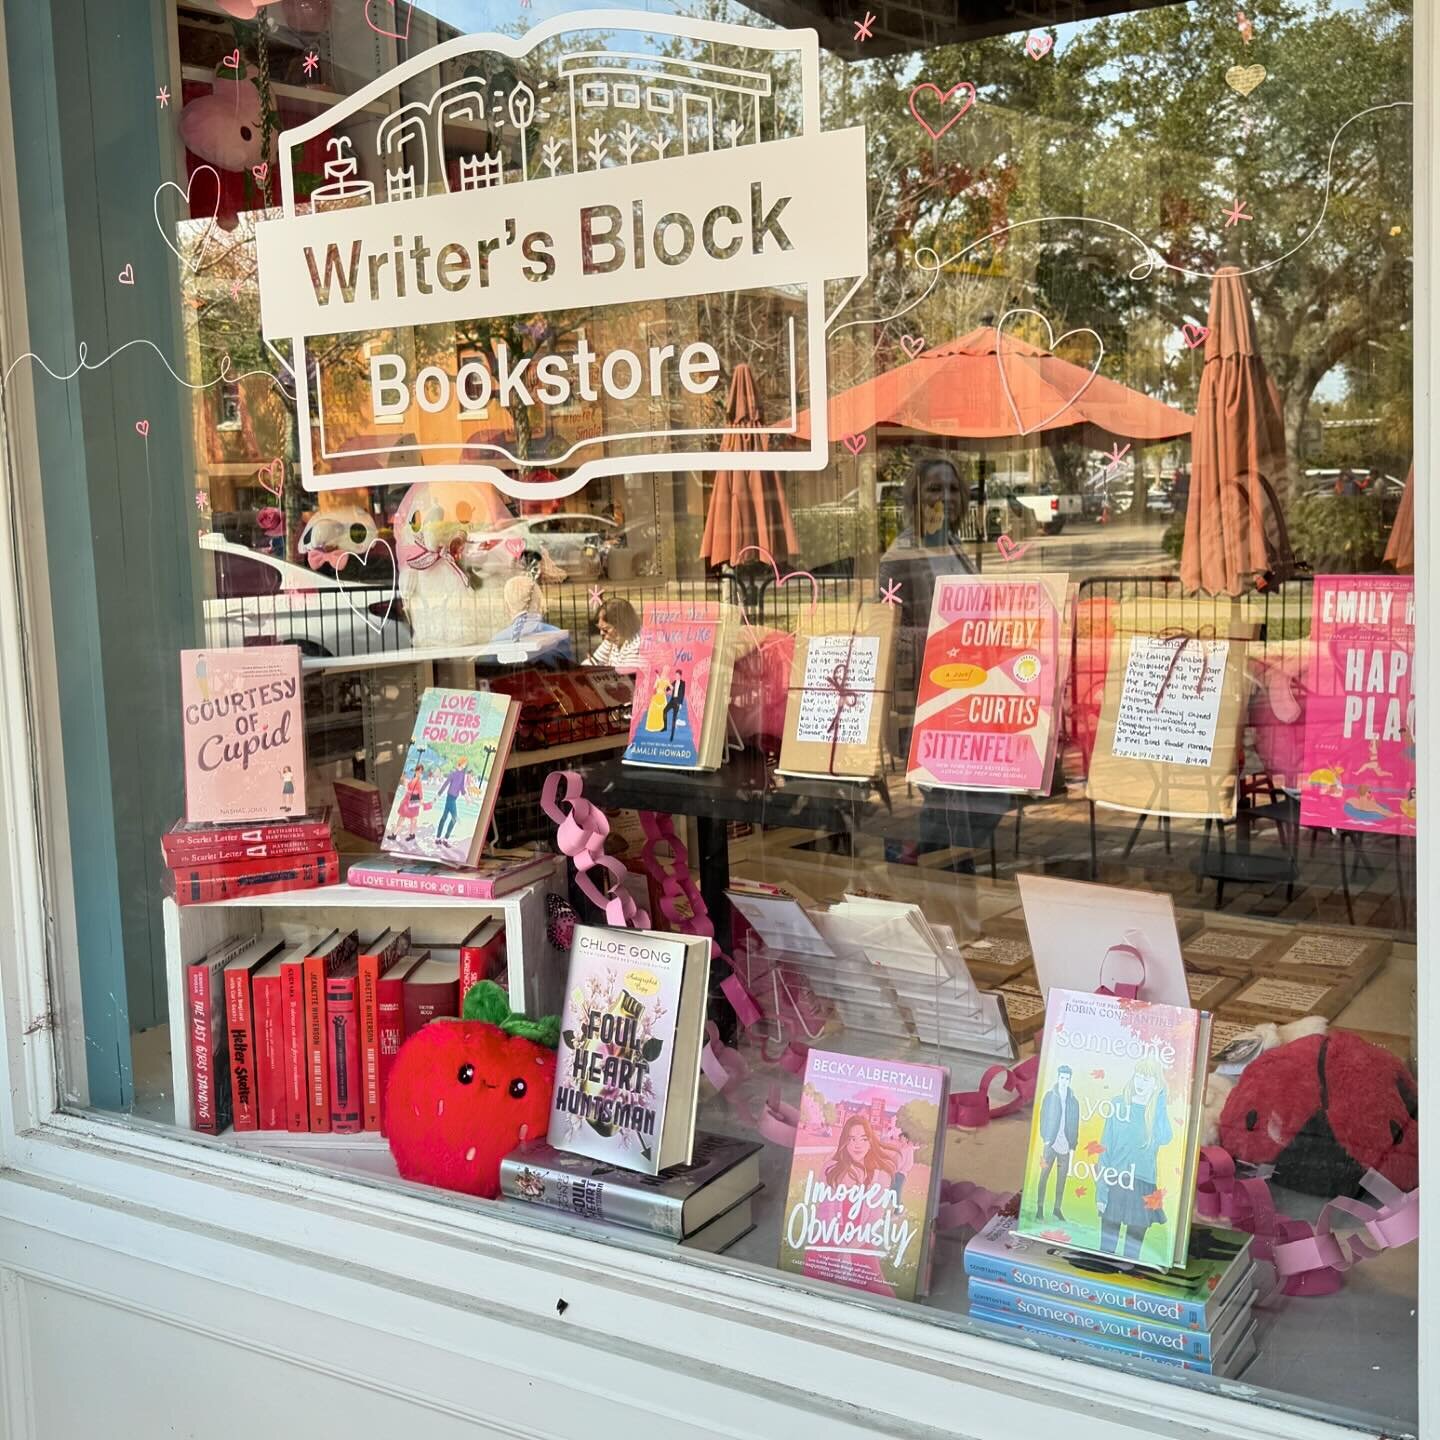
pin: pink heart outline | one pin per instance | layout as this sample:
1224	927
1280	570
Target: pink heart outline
142	428
943	97
127	275
779	581
515	548
1009	550
1037	47
232	60
1024	429
855	443
278	486
394	10
261	172
912	345
209	229
1195	335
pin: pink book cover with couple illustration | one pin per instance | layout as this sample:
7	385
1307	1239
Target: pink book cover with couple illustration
677	653
865	1178
241	720
1359	767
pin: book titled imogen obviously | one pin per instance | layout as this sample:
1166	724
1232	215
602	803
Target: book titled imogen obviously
240	714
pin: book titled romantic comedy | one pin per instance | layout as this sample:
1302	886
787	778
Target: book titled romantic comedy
241	718
990	683
447	790
627	1070
1110	1168
865	1178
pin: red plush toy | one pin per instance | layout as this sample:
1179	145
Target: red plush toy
1323	1110
464	1093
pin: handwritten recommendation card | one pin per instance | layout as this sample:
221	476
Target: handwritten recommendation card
1170	700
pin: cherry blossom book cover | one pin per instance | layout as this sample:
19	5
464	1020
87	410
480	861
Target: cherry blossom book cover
1110	1168
865	1178
241	719
994	668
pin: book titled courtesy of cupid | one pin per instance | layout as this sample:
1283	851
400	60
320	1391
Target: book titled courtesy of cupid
240	714
865	1177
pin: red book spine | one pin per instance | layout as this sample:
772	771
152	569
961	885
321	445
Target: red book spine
203	1106
433	1000
342	1024
297	1109
196	885
232	850
195	845
480	962
269	1048
317	1052
240	1021
390	1027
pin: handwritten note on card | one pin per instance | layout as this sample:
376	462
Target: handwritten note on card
840	674
1171	720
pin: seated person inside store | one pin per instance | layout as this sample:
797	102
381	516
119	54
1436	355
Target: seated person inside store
619	628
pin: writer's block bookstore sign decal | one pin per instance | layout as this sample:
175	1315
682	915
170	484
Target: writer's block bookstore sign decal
544	271
1359	766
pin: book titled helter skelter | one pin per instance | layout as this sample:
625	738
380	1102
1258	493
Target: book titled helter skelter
627	1070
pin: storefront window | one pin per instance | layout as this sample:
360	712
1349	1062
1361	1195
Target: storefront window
945	489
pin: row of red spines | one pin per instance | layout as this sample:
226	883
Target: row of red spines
198	884
304	1073
245	842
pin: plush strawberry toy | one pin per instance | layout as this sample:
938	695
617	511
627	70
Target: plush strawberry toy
464	1093
1323	1110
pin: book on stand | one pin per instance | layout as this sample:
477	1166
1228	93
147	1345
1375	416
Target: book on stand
241	1028
682	686
627	1071
202	843
496	873
676	1202
865	1176
447	790
242	722
1110	1166
382	1024
840	701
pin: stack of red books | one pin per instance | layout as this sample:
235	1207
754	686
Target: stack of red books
226	862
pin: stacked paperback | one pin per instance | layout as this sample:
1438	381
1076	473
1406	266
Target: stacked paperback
705	1205
682	685
1197	1315
299	1034
226	862
496	873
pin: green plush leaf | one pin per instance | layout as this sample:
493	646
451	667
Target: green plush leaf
487	1002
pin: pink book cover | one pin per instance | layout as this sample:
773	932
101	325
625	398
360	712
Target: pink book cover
241	718
989	685
667	717
865	1177
1359	767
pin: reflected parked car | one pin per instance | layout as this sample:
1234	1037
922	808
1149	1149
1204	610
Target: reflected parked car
575	544
260	599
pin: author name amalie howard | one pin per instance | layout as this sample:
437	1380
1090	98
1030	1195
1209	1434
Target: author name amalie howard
252	731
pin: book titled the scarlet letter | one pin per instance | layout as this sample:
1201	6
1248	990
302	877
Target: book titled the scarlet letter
240	1026
378	957
328	958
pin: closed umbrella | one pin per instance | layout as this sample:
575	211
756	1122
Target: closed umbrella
748	507
1400	548
1234	530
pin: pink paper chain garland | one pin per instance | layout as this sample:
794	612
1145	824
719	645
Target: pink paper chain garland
580	832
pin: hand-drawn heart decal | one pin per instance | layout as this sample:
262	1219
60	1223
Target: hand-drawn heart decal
389	10
1244	78
142	427
1008	549
127	275
944	98
364	615
1037	47
779	581
514	548
232	60
1021	427
272	478
1195	335
185	193
912	345
854	443
260	171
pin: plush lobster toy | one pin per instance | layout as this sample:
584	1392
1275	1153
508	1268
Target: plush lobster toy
1323	1110
464	1093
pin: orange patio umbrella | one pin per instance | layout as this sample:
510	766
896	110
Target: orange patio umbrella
1400	548
1234	529
974	388
748	506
